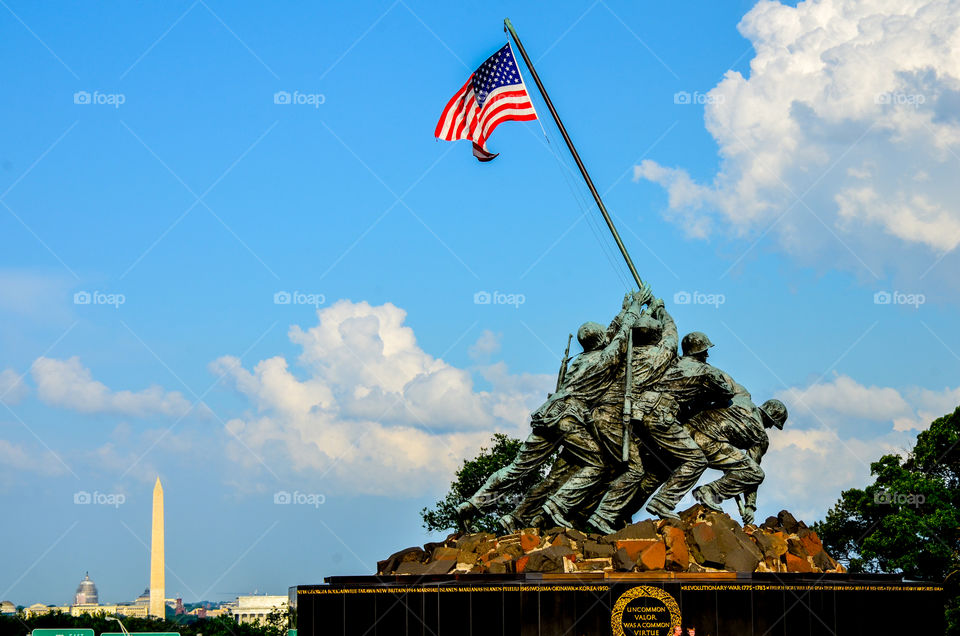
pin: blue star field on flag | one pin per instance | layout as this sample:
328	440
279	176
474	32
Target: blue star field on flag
499	70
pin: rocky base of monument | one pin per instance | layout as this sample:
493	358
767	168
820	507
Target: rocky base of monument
702	541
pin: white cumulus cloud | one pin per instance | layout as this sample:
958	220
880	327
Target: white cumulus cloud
835	430
68	384
486	345
12	387
368	408
843	399
844	138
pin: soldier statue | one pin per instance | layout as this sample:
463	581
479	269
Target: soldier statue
734	439
689	385
630	417
655	350
563	418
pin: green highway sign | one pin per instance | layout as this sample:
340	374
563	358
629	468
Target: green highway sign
62	631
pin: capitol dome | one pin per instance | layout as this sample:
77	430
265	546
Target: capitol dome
86	592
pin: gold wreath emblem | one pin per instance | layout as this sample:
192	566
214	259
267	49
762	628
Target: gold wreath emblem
643	591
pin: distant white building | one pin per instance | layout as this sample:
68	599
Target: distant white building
38	609
7	607
255	608
86	602
86	592
133	610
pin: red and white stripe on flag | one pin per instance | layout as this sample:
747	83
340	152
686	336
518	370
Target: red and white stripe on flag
465	118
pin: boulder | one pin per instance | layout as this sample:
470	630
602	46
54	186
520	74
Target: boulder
442	553
677	556
443	566
706	549
653	557
473	542
549	559
512	550
823	561
470	558
772	545
594	550
811	542
622	562
449	542
797	564
642	530
788	522
635	546
795	547
411	567
740	552
501	565
772	524
741	559
391	563
720	519
529	540
692	515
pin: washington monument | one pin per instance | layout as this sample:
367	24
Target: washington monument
157	591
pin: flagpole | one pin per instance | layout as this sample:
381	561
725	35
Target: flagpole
573	151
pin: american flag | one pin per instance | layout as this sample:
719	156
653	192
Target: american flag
494	94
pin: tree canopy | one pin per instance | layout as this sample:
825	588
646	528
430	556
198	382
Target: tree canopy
908	520
275	625
470	477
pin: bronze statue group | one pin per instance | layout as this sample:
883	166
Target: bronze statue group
633	423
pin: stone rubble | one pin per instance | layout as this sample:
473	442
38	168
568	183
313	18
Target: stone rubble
702	541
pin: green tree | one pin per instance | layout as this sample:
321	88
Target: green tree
470	477
908	520
278	621
186	625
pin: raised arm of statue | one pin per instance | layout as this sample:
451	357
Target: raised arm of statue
617	321
640	298
617	346
669	338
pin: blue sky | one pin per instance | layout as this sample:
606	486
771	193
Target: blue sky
805	183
